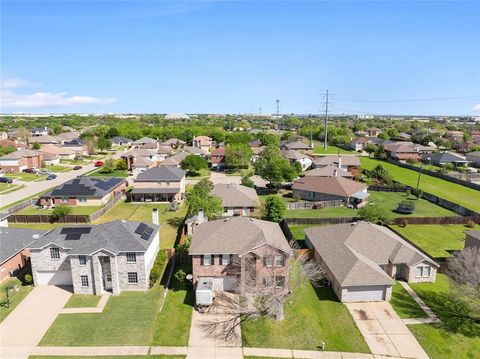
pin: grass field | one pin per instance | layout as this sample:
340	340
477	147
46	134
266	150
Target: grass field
312	316
456	193
436	240
444	341
76	210
404	304
27	177
82	301
16	295
331	149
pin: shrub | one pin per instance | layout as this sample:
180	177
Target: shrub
404	223
158	268
408	192
417	193
185	245
108	167
470	224
60	212
274	209
28	279
374	214
412	161
120	164
247	182
180	277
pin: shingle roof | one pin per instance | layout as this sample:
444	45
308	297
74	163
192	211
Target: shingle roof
42	139
195	151
294	155
445	157
118	139
114	237
141	152
474	233
338	186
14	240
164	150
233	195
172	141
161	174
144	140
174	160
328	171
142	162
20	154
354	252
49	148
333	160
236	235
202	138
297	145
83	186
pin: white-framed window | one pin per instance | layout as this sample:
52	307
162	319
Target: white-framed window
225	259
267	281
132	277
82	260
84	280
225	209
280	282
268	261
64	199
131	257
422	272
207	259
279	261
54	253
82	199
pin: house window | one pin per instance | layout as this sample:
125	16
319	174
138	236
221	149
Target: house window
279	261
225	259
54	253
207	259
64	199
82	260
84	280
268	281
132	278
280	282
422	272
225	210
131	257
268	261
82	199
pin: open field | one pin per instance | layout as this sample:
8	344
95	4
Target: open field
19	292
76	210
456	193
436	240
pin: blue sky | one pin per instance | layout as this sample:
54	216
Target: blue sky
230	57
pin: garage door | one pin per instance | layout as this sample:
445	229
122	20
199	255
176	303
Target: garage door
54	278
228	283
365	294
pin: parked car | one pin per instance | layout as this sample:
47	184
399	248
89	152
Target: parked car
77	168
5	180
44	172
30	170
51	177
99	164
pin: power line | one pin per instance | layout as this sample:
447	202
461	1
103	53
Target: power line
326	102
416	99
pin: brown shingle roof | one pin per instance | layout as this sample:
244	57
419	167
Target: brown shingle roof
233	195
333	160
338	186
328	171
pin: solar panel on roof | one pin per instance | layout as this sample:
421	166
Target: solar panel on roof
141	228
81	230
149	230
73	236
145	236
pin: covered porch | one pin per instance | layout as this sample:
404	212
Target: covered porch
153	195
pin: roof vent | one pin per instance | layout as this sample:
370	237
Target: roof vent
36	236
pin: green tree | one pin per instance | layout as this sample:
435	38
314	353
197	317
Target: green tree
109	166
370	148
274	209
103	143
193	164
112	132
247	181
237	156
60	211
374	214
35	146
380	173
121	164
200	198
273	167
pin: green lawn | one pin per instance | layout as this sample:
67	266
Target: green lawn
331	150
172	326
23	176
82	301
404	304
204	172
76	210
114	173
74	162
16	295
312	316
436	240
442	341
456	193
298	230
9	187
57	168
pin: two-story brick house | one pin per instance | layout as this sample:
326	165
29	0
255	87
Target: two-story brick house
228	252
19	160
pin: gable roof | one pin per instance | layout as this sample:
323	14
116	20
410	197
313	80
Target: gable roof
175	160
202	138
236	235
161	174
83	186
57	150
173	141
293	155
14	240
140	152
353	252
297	145
445	157
195	151
142	162
144	140
233	195
328	171
339	186
114	237
42	139
20	154
118	139
333	160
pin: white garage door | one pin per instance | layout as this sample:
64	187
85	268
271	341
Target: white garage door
54	278
364	294
228	283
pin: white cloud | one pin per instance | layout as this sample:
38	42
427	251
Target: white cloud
10	99
14	83
476	108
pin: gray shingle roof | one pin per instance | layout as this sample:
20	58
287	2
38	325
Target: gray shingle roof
175	160
297	145
118	139
333	160
156	174
236	235
144	140
328	171
19	154
338	186
84	186
444	157
14	240
233	195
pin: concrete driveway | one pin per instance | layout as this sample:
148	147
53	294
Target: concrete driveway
23	329
384	331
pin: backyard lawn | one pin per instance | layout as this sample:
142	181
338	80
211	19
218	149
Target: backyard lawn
114	173
76	210
436	240
298	230
312	316
82	301
331	150
16	295
443	341
404	304
203	173
456	193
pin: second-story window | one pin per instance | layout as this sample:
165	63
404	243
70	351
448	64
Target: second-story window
54	253
279	261
131	257
82	260
268	261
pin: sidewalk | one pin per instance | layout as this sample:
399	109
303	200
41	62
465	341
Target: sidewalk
432	318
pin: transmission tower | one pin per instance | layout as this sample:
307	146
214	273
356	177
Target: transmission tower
326	103
278	107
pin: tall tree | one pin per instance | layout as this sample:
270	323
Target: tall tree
237	156
193	163
103	143
273	167
274	209
200	198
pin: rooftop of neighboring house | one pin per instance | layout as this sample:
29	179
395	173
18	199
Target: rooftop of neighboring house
140	161
445	157
338	186
215	237
297	145
399	147
175	160
334	160
148	145
39	129
144	140
140	152
202	138
220	151
255	143
294	155
7	143
173	141
119	139
474	154
157	174
164	150
113	237
68	136
14	240
83	186
257	150
42	139
360	139
354	252
235	195
58	150
19	154
77	142
195	151
328	171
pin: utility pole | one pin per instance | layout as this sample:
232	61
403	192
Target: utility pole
278	107
326	103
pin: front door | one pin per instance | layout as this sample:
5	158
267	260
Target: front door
107	281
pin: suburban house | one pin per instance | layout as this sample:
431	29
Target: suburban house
296	146
174	143
444	158
362	260
39	131
312	188
50	158
228	252
9	143
196	151
359	143
237	200
346	163
13	249
256	153
143	141
97	259
403	151
163	152
374	132
77	145
42	140
217	159
141	164
472	239
62	152
255	143
474	158
295	156
202	142
67	136
84	191
329	171
175	160
143	158
121	141
158	184
19	160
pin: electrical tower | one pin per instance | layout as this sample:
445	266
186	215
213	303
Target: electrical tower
326	104
278	107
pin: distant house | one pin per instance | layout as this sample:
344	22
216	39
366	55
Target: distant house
97	259
196	151
328	171
14	254
121	141
141	164
50	159
177	116
256	153
297	146
143	141
142	157
474	158
83	191
62	152
444	158
362	260
237	200
174	143
42	140
202	142
19	160
402	151
78	146
255	143
39	131
295	156
346	163
217	159
67	136
312	188
373	131
225	264
175	160
359	143
158	184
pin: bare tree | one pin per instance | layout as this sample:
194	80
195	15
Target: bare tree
261	295
464	270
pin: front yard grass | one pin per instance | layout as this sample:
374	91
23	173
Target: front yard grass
27	177
114	173
76	210
312	316
19	292
83	301
443	341
404	304
435	239
467	197
9	187
57	168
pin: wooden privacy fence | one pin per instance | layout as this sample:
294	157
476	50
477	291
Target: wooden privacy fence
394	221
118	197
314	205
